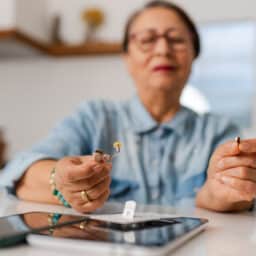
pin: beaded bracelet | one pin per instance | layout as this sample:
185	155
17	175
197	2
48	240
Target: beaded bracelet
53	219
55	191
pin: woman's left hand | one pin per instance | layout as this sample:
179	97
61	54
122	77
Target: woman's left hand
231	181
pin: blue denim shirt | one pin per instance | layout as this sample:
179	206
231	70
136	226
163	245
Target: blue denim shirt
158	164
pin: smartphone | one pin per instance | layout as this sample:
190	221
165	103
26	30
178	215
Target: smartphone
15	228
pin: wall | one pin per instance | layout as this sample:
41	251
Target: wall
38	92
7	14
38	22
32	18
206	10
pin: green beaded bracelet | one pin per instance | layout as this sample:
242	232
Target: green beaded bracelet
55	191
53	219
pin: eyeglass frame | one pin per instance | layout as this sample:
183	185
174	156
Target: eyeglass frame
164	35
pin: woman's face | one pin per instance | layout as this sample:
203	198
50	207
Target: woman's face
158	62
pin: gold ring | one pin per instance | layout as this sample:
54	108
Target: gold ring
82	225
85	196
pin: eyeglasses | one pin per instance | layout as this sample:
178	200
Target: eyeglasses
146	40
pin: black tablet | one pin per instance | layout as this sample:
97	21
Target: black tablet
96	236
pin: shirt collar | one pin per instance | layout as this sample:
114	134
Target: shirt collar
142	121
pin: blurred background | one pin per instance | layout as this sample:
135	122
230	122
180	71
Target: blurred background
56	53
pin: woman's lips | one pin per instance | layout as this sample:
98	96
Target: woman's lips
164	68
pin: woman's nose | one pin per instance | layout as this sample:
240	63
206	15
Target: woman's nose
162	46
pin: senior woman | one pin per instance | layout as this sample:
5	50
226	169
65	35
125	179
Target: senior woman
170	154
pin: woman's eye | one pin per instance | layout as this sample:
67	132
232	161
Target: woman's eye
148	39
176	40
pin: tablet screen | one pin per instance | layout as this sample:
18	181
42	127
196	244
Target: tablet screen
149	233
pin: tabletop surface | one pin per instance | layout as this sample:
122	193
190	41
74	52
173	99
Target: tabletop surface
226	234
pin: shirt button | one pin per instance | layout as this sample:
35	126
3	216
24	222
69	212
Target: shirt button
155	162
196	150
155	194
160	132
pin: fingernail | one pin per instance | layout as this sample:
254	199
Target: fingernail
98	168
106	157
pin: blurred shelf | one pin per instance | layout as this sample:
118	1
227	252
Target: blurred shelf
7	33
61	50
95	48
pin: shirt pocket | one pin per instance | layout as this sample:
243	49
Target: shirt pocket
122	189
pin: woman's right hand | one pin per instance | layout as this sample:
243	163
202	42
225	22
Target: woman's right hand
76	174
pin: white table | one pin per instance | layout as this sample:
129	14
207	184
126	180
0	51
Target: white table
227	234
